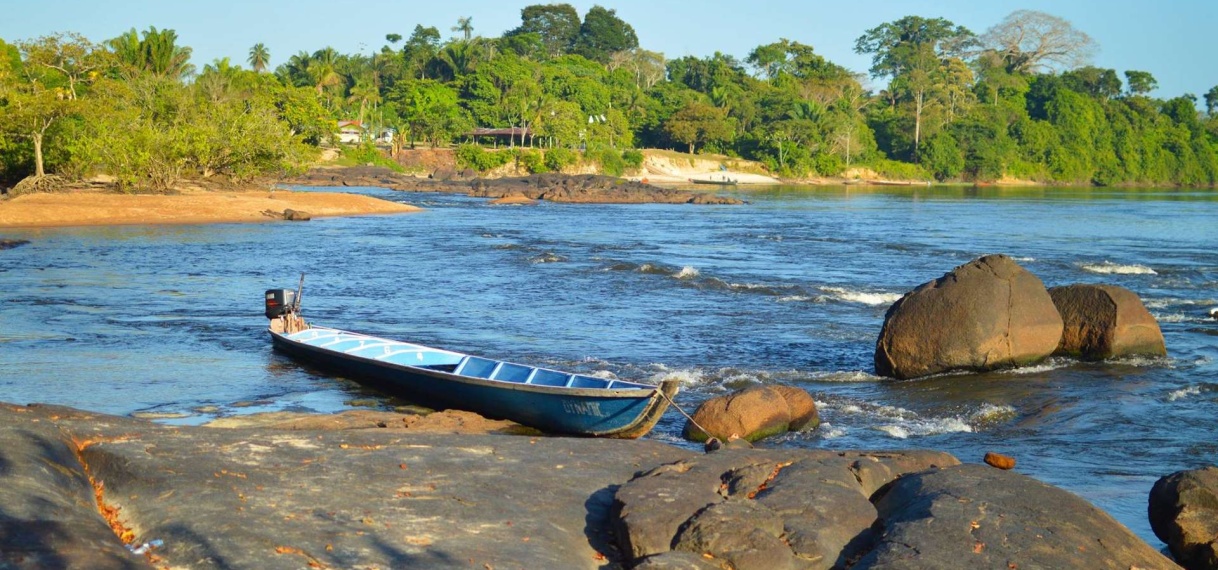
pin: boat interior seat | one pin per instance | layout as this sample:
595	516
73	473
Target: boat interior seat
579	381
509	372
475	367
543	377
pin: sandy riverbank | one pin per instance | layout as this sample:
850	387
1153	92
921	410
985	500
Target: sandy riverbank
203	207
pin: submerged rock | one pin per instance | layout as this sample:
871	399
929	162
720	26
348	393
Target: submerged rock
296	215
752	414
11	243
1184	514
1105	321
986	314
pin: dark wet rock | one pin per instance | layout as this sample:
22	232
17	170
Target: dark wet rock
972	516
986	314
753	413
553	187
1184	514
353	498
588	189
714	444
677	560
296	215
353	176
1105	321
48	512
819	500
11	243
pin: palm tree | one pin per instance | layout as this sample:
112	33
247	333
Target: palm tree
260	56
465	26
163	56
459	57
365	92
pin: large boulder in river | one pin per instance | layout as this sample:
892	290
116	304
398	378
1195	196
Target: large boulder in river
1184	514
1105	321
986	314
753	413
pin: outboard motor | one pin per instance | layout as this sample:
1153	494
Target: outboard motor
279	302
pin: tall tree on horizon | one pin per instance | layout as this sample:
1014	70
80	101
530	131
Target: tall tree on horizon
556	24
260	57
465	26
1030	41
602	34
912	52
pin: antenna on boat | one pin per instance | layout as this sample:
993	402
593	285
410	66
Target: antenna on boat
299	291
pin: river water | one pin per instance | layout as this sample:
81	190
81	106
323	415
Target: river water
166	321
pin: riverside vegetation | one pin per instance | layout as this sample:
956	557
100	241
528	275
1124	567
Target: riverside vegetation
1018	101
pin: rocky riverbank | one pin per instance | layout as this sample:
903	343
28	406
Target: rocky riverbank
81	490
579	189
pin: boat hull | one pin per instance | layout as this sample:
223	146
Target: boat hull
572	411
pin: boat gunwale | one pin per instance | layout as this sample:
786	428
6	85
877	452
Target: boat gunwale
647	391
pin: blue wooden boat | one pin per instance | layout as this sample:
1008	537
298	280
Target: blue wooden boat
549	400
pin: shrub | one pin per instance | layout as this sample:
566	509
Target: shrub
611	162
477	158
559	158
531	161
895	170
366	153
632	158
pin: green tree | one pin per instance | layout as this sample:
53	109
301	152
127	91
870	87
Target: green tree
70	54
30	105
603	33
156	52
1211	100
393	38
259	57
420	50
1140	82
699	123
556	25
911	51
1100	83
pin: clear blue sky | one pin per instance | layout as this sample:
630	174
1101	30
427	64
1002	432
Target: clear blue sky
1172	39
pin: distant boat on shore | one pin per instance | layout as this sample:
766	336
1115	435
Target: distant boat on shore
898	183
722	182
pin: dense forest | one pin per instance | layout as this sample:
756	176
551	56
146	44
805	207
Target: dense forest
1018	100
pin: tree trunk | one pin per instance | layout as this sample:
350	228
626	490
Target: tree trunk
917	123
38	170
691	148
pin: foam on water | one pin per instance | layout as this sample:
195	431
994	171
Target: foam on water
1110	268
991	413
1194	390
845	376
925	427
684	376
687	272
547	257
1046	366
864	297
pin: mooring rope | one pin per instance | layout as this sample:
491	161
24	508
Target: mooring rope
687	416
